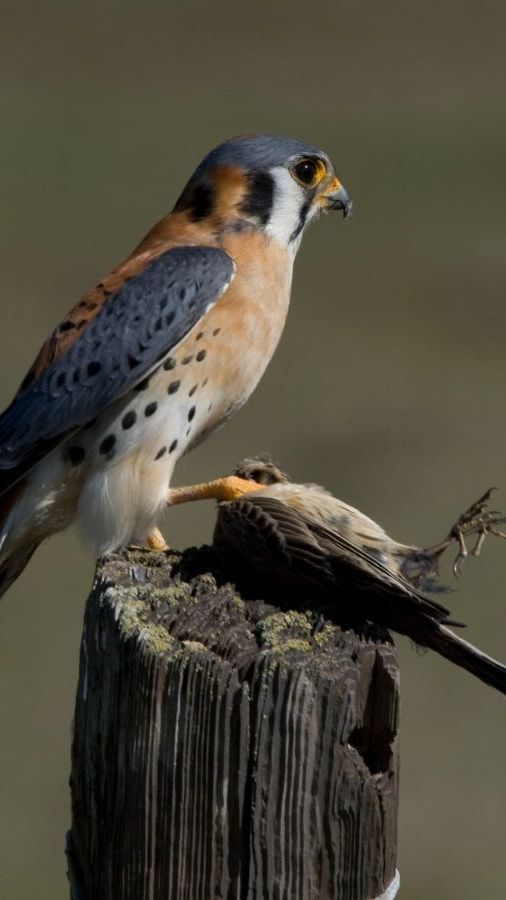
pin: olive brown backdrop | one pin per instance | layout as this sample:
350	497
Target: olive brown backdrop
388	384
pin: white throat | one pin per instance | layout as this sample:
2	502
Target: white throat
288	217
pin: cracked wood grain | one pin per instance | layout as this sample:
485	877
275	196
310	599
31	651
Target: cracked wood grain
227	748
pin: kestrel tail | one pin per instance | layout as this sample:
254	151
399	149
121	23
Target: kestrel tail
298	537
160	353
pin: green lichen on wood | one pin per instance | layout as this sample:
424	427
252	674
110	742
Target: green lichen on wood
277	631
295	644
239	603
325	636
152	591
155	639
151	558
133	621
194	646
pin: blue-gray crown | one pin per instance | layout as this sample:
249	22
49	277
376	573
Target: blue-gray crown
258	151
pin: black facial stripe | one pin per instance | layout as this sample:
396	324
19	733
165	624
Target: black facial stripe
260	197
302	219
197	198
202	201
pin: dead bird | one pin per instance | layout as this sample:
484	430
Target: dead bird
300	537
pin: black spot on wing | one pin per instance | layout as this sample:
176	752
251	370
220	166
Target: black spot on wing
75	455
107	446
136	329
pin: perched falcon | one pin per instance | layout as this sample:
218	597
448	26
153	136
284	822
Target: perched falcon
298	537
160	352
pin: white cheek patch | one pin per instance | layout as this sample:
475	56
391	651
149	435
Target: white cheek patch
285	217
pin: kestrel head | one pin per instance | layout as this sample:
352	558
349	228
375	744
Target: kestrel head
274	184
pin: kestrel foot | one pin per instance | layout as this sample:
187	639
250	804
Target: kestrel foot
156	541
230	488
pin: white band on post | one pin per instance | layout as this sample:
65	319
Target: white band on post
391	891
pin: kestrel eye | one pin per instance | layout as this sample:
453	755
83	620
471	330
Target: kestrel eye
309	172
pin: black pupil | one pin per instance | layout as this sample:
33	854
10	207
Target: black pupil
306	171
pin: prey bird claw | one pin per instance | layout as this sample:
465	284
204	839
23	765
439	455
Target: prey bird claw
476	520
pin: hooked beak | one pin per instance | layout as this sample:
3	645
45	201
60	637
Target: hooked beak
336	197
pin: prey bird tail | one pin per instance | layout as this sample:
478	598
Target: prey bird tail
463	654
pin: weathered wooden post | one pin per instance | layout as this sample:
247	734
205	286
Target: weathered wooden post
226	748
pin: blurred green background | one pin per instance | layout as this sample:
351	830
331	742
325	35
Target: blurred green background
388	383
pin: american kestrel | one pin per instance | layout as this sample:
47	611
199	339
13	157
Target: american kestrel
160	352
301	538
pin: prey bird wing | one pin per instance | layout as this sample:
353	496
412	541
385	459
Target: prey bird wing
282	540
135	328
291	548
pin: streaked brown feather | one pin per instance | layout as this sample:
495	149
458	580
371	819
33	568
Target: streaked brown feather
290	547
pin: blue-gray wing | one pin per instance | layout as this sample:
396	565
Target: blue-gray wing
148	315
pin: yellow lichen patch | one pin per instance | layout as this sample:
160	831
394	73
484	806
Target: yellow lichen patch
298	644
278	630
325	635
238	602
131	617
155	639
196	646
174	595
128	615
